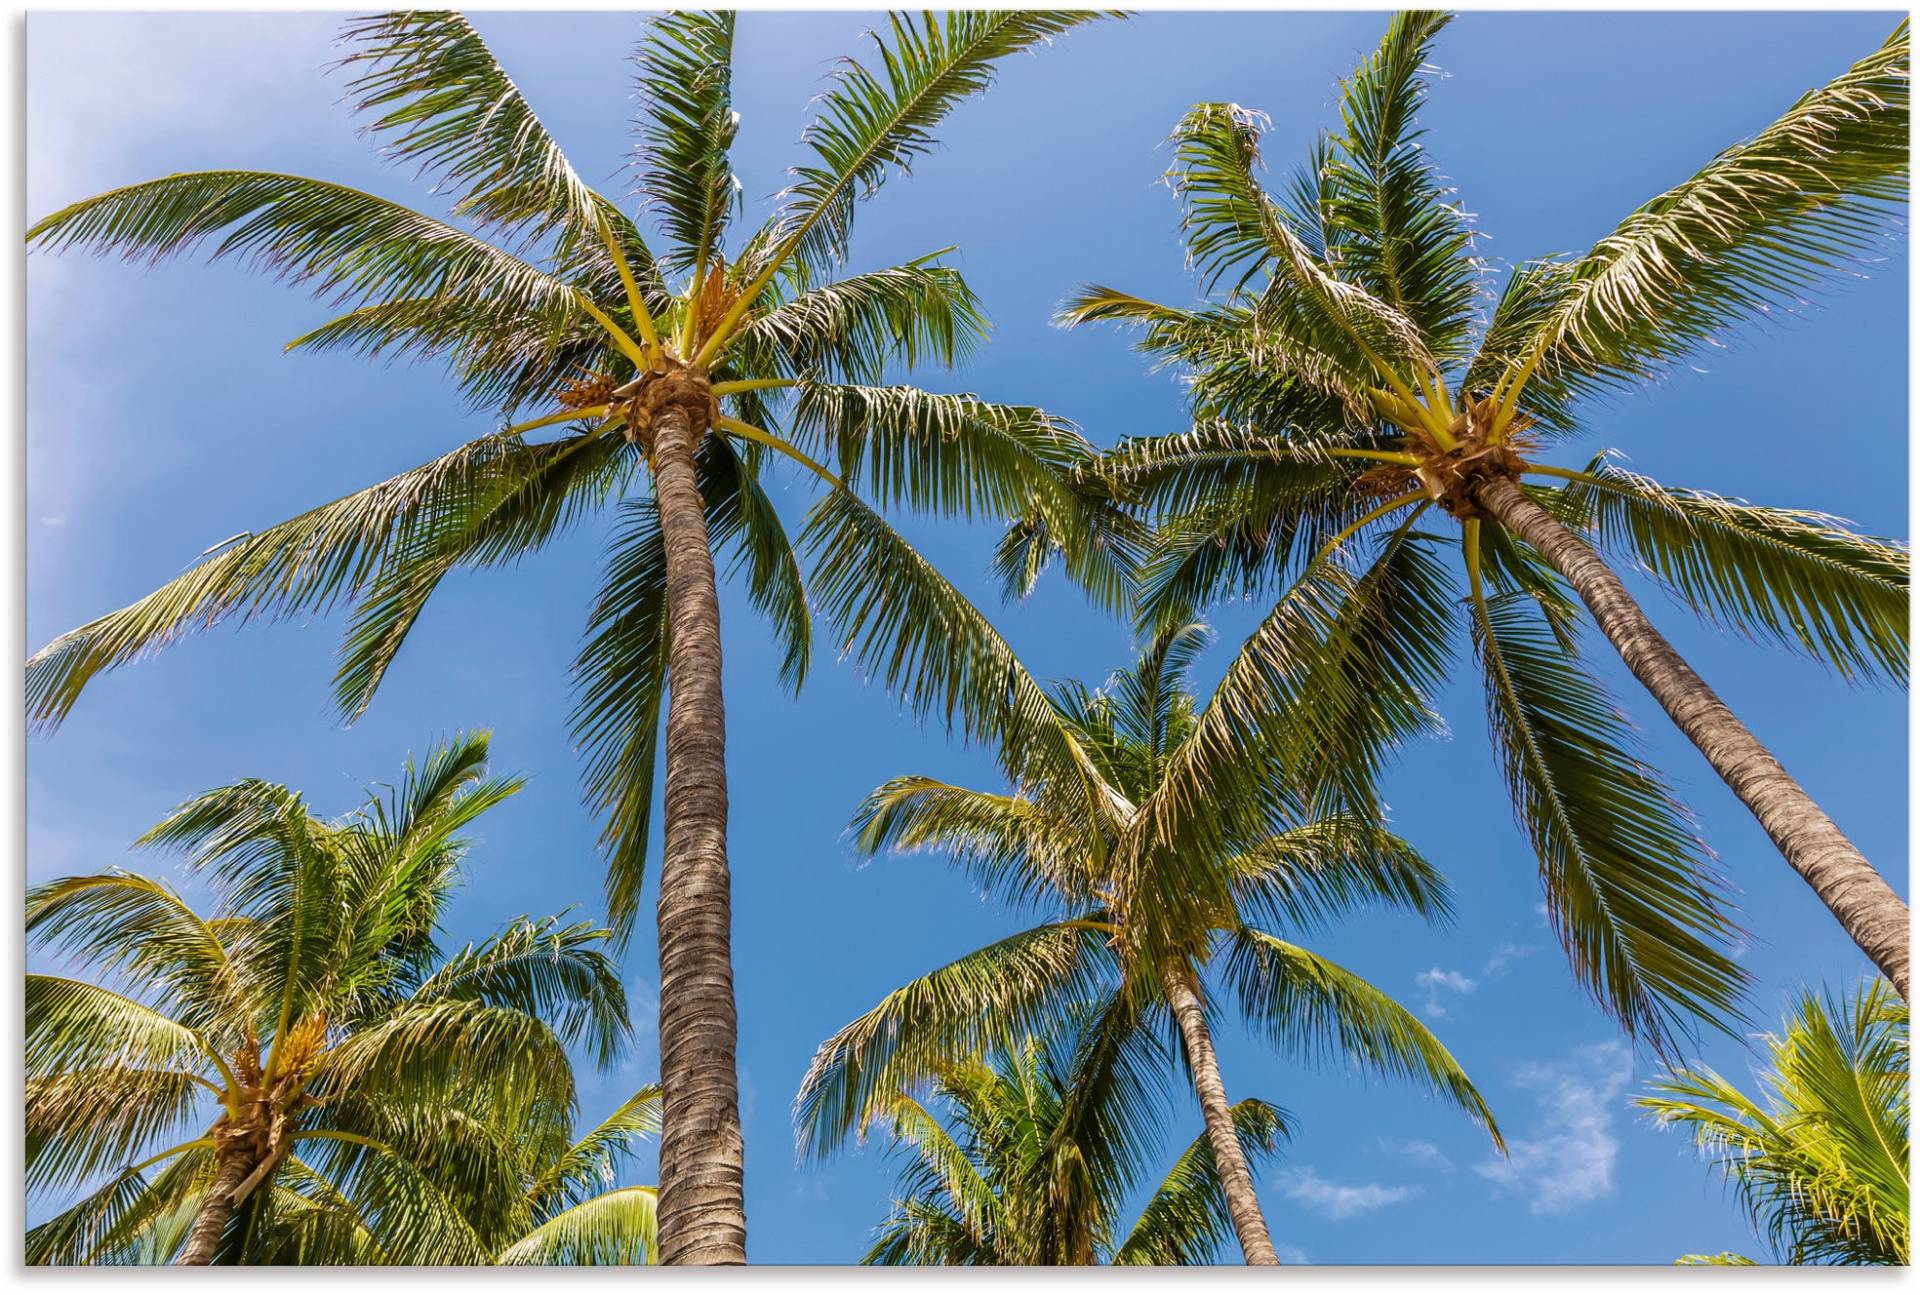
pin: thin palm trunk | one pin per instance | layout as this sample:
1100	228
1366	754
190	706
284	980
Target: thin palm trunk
702	1207
1846	883
216	1208
1229	1158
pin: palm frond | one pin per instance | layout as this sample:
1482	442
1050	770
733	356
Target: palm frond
684	75
1186	1220
1315	1008
1313	873
1759	225
620	1226
1628	889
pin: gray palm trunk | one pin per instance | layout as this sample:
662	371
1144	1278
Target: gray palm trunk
1229	1157
1866	906
702	1209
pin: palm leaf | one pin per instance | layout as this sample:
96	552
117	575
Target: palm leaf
684	74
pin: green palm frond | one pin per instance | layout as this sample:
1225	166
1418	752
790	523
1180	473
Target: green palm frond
1013	848
1628	889
342	244
73	1026
80	1123
851	329
900	619
537	492
1315	1008
1759	225
1820	1158
1013	984
1387	222
684	75
304	565
873	121
1335	335
1311	874
558	974
1800	579
591	1161
441	103
1186	1220
620	1226
103	1222
742	517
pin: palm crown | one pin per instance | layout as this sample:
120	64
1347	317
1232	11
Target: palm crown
1135	946
1041	1144
345	1084
1346	389
1819	1157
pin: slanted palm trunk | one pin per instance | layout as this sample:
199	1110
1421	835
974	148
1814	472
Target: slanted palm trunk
1229	1158
216	1208
702	1206
1846	883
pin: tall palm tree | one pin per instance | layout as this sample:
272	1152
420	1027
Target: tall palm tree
684	356
1820	1157
1041	1143
342	1082
1347	388
1131	944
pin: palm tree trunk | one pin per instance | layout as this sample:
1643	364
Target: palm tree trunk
1846	883
1229	1157
216	1207
702	1203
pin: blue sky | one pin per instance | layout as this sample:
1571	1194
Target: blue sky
163	416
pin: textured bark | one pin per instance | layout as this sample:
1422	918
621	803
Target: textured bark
216	1207
1229	1157
702	1203
1846	883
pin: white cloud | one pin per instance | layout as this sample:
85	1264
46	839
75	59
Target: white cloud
1571	1161
1338	1201
1421	1153
1504	955
1290	1254
1436	979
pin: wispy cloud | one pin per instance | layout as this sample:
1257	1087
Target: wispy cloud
1338	1201
1290	1254
1424	1154
1504	955
1571	1162
1438	980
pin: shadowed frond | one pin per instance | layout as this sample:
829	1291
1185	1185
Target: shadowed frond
1628	890
684	76
1796	578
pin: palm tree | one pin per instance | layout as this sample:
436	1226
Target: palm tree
1041	1144
1345	388
1820	1158
345	1086
637	351
1132	943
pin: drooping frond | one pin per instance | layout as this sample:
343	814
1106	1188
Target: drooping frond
558	974
72	1026
81	1123
1796	578
343	244
591	1162
1762	223
304	565
1628	889
1013	848
1314	1008
1311	874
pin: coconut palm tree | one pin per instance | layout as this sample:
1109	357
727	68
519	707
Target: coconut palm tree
1347	389
1131	940
343	1085
1040	1144
1819	1159
696	356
